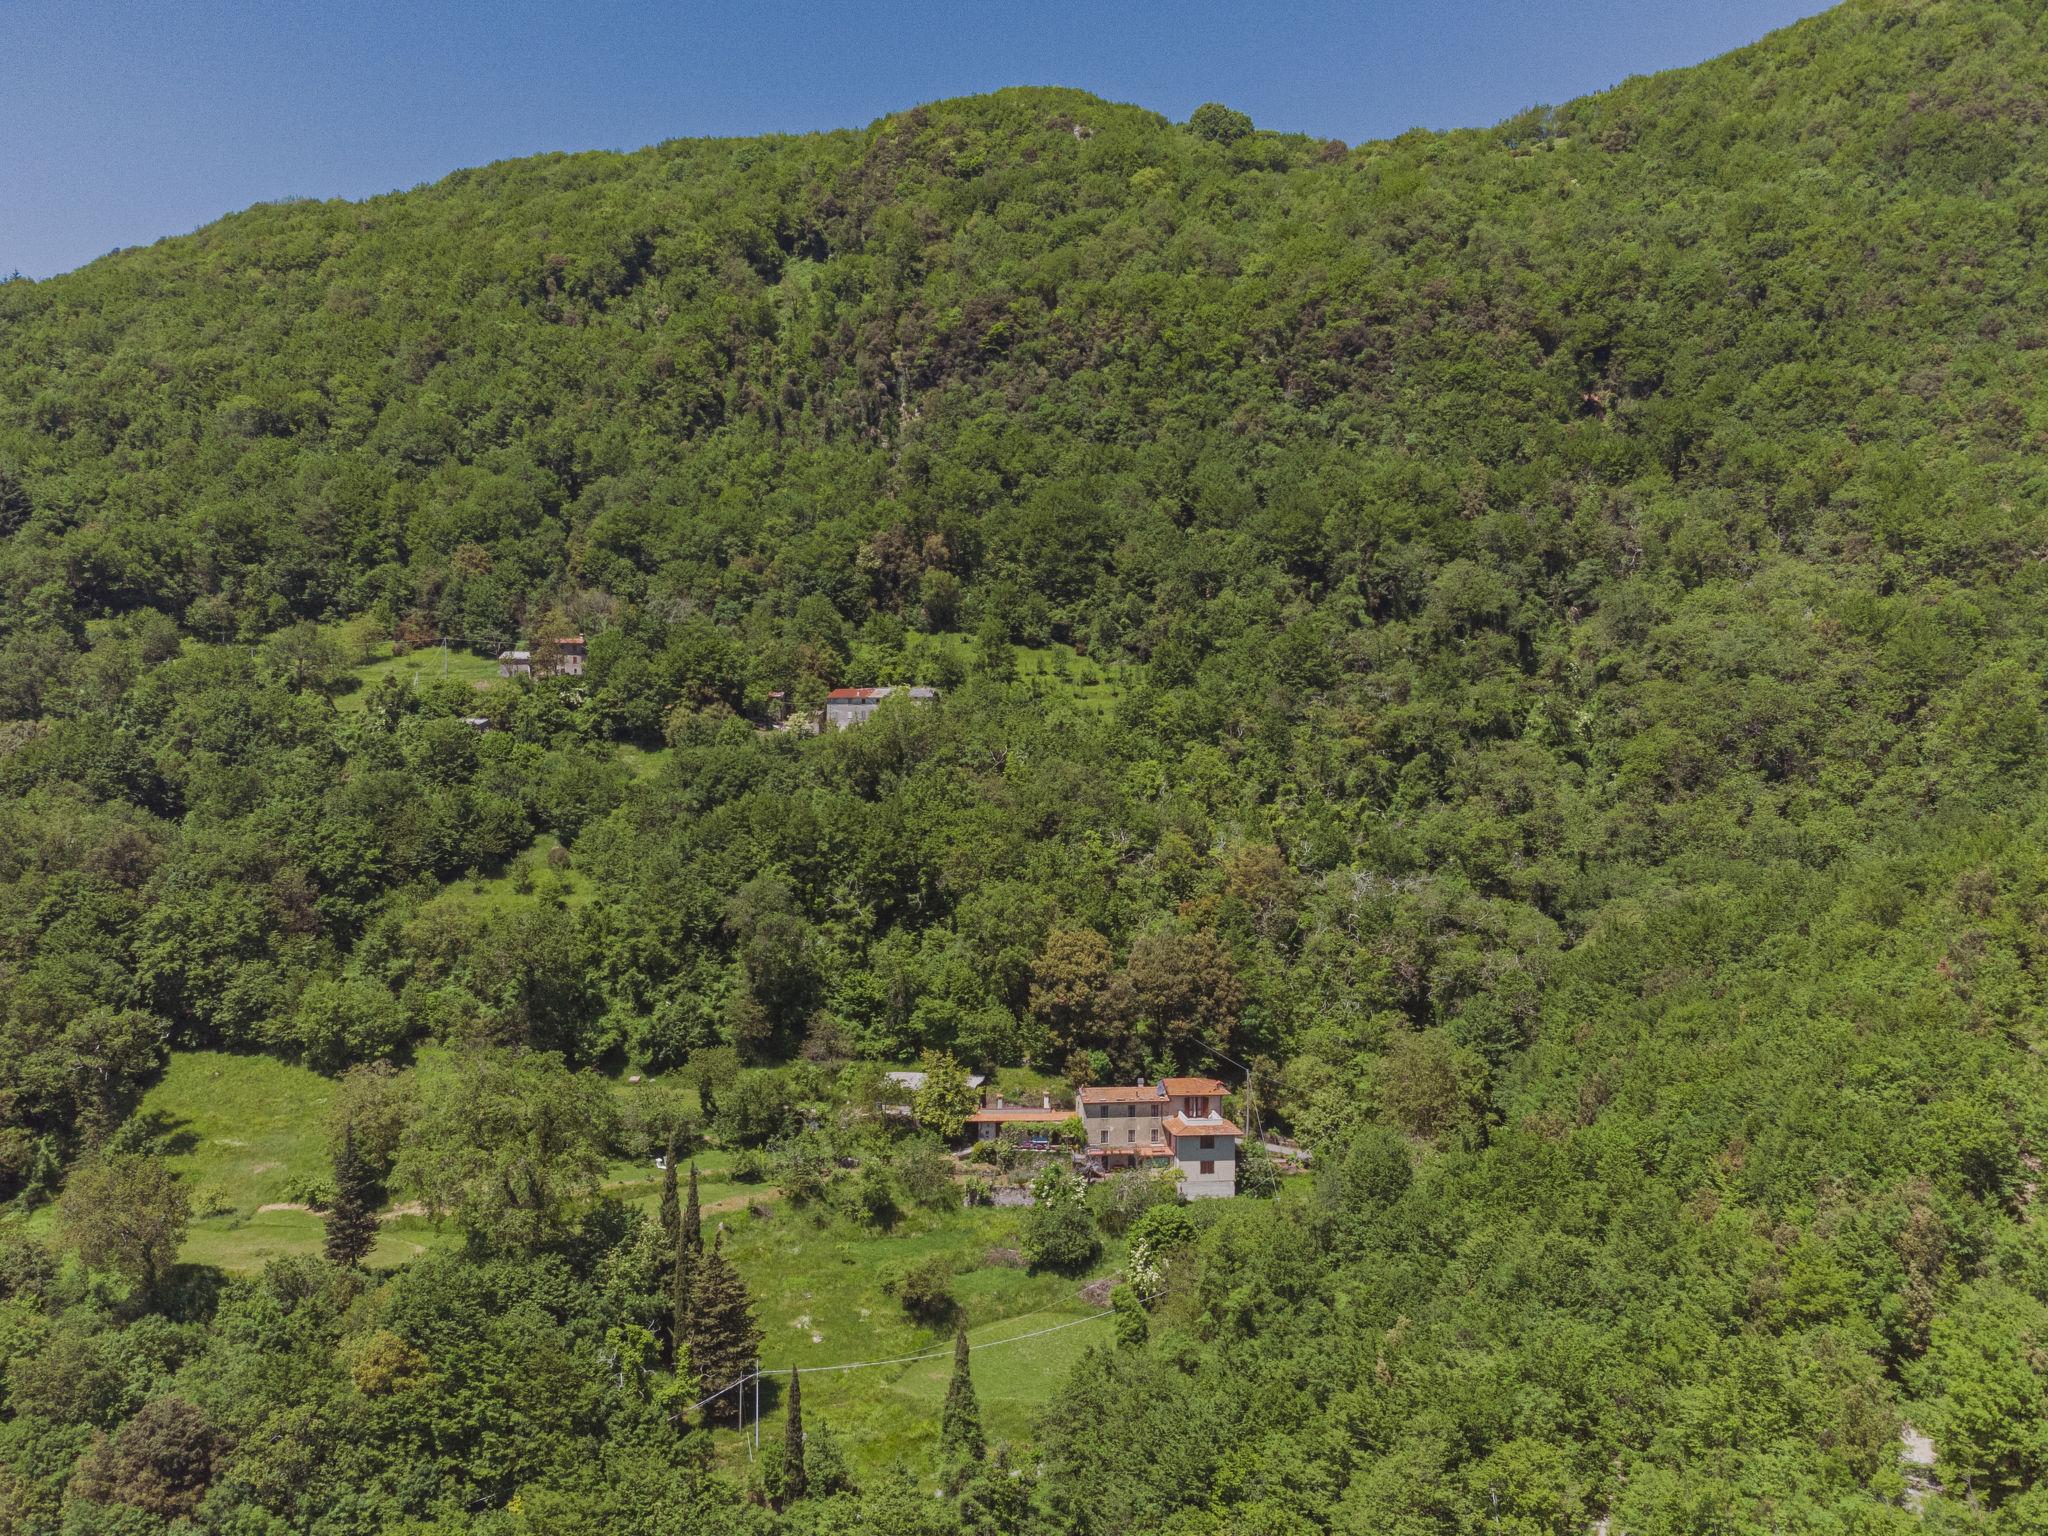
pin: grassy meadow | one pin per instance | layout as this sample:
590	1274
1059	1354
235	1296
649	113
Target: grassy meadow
249	1134
437	662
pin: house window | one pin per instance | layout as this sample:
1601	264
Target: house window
1131	1134
1208	1166
1155	1135
1208	1143
1198	1106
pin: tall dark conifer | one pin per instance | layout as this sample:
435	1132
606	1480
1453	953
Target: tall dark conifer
724	1339
960	1438
692	1229
671	1208
352	1219
686	1252
795	1484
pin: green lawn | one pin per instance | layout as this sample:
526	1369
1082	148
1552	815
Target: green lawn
545	886
642	762
241	1130
821	1296
440	662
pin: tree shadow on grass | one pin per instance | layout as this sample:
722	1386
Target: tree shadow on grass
155	1134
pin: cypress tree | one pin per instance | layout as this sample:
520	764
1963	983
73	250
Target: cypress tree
687	1251
682	1281
671	1211
692	1229
960	1421
352	1219
724	1339
794	1482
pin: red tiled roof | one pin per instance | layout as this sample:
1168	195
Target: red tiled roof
856	693
1119	1093
1180	1125
1195	1087
568	639
1027	1116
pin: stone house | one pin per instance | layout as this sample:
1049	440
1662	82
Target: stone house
1176	1122
570	652
845	707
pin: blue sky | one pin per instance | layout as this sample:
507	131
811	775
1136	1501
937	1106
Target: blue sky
125	120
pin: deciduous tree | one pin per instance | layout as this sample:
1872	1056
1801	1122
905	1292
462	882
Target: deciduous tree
128	1214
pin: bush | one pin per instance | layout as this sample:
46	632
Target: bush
1059	1235
1122	1198
1165	1229
926	1289
756	1109
802	1173
309	1189
925	1172
1258	1176
871	1198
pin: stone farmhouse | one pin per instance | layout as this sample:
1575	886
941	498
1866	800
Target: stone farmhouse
845	707
1176	1121
570	653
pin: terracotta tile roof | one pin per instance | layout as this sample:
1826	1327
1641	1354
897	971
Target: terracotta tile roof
1195	1087
1119	1093
1025	1116
1179	1126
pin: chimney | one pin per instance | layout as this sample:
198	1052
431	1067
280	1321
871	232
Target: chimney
999	1101
1162	1088
1048	1101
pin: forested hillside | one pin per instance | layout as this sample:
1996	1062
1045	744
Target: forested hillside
1578	601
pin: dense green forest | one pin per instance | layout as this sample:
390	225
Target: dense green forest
1578	595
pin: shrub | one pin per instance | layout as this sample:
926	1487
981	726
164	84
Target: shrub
1122	1198
1258	1176
802	1174
926	1289
1058	1233
1060	1238
1164	1229
925	1172
314	1190
756	1109
871	1198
